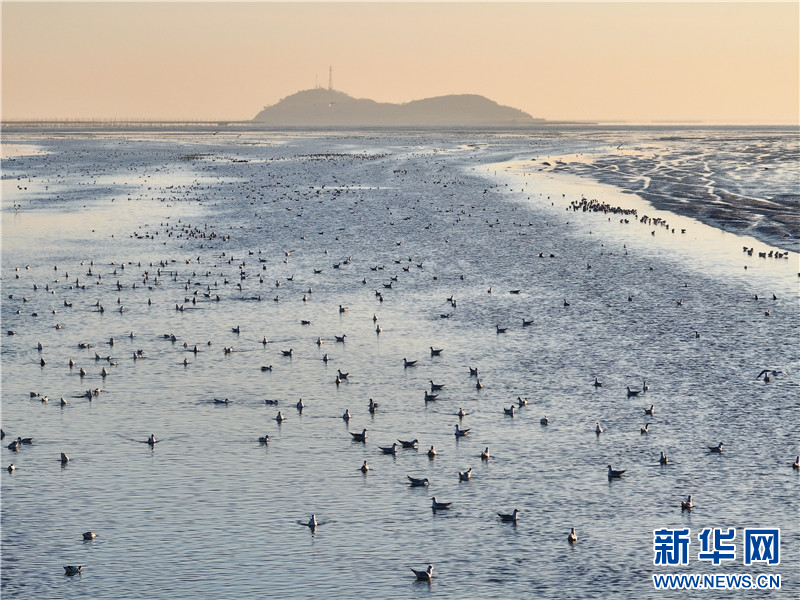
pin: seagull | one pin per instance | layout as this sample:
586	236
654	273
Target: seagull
16	444
287	352
597	383
650	411
346	415
512	518
436	386
687	504
436	505
152	440
415	482
389	449
426	575
359	437
597	429
663	460
312	522
264	440
72	569
478	385
461	413
430	397
64	459
645	387
473	372
501	329
717	449
460	432
633	392
544	420
364	468
436	351
646	429
372	406
509	411
612	473
572	537
432	452
795	464
485	454
11	468
279	417
409	363
412	444
465	475
89	535
300	406
522	401
767	372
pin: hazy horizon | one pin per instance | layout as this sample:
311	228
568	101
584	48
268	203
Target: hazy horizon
656	63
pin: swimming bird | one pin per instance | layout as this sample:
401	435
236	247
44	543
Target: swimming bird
365	467
632	392
597	429
512	518
522	401
266	368
460	432
485	454
436	505
544	421
342	375
767	372
687	504
264	440
346	416
409	444
279	417
509	411
612	473
646	429
373	406
430	397
312	522
663	460
359	437
409	363
89	535
473	372
436	386
645	387
415	482
15	444
426	575
432	452
572	537
152	440
716	449
300	406
11	468
465	475
478	385
795	464
72	569
436	351
650	411
389	449
64	459
597	383
461	413
500	329
289	352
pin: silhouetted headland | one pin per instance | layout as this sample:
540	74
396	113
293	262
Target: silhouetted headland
324	107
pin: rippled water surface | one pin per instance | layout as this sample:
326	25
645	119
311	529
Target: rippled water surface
264	231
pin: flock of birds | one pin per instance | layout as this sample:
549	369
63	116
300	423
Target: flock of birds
216	276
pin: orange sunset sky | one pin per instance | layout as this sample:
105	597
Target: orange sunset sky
719	62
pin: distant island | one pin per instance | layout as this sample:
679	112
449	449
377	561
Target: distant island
330	108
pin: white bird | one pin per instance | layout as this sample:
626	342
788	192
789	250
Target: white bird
312	522
687	504
572	537
389	449
409	363
426	575
152	439
436	505
409	444
432	452
416	482
646	429
485	454
717	448
796	464
279	417
650	411
612	473
359	437
512	518
64	459
509	411
465	475
460	432
364	467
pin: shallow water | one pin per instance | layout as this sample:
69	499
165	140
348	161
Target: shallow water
210	512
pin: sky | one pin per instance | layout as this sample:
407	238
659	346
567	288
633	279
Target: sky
718	62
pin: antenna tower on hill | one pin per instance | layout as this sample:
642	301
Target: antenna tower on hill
330	78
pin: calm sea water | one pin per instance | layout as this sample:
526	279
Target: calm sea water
234	227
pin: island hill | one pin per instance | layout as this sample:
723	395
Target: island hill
330	108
